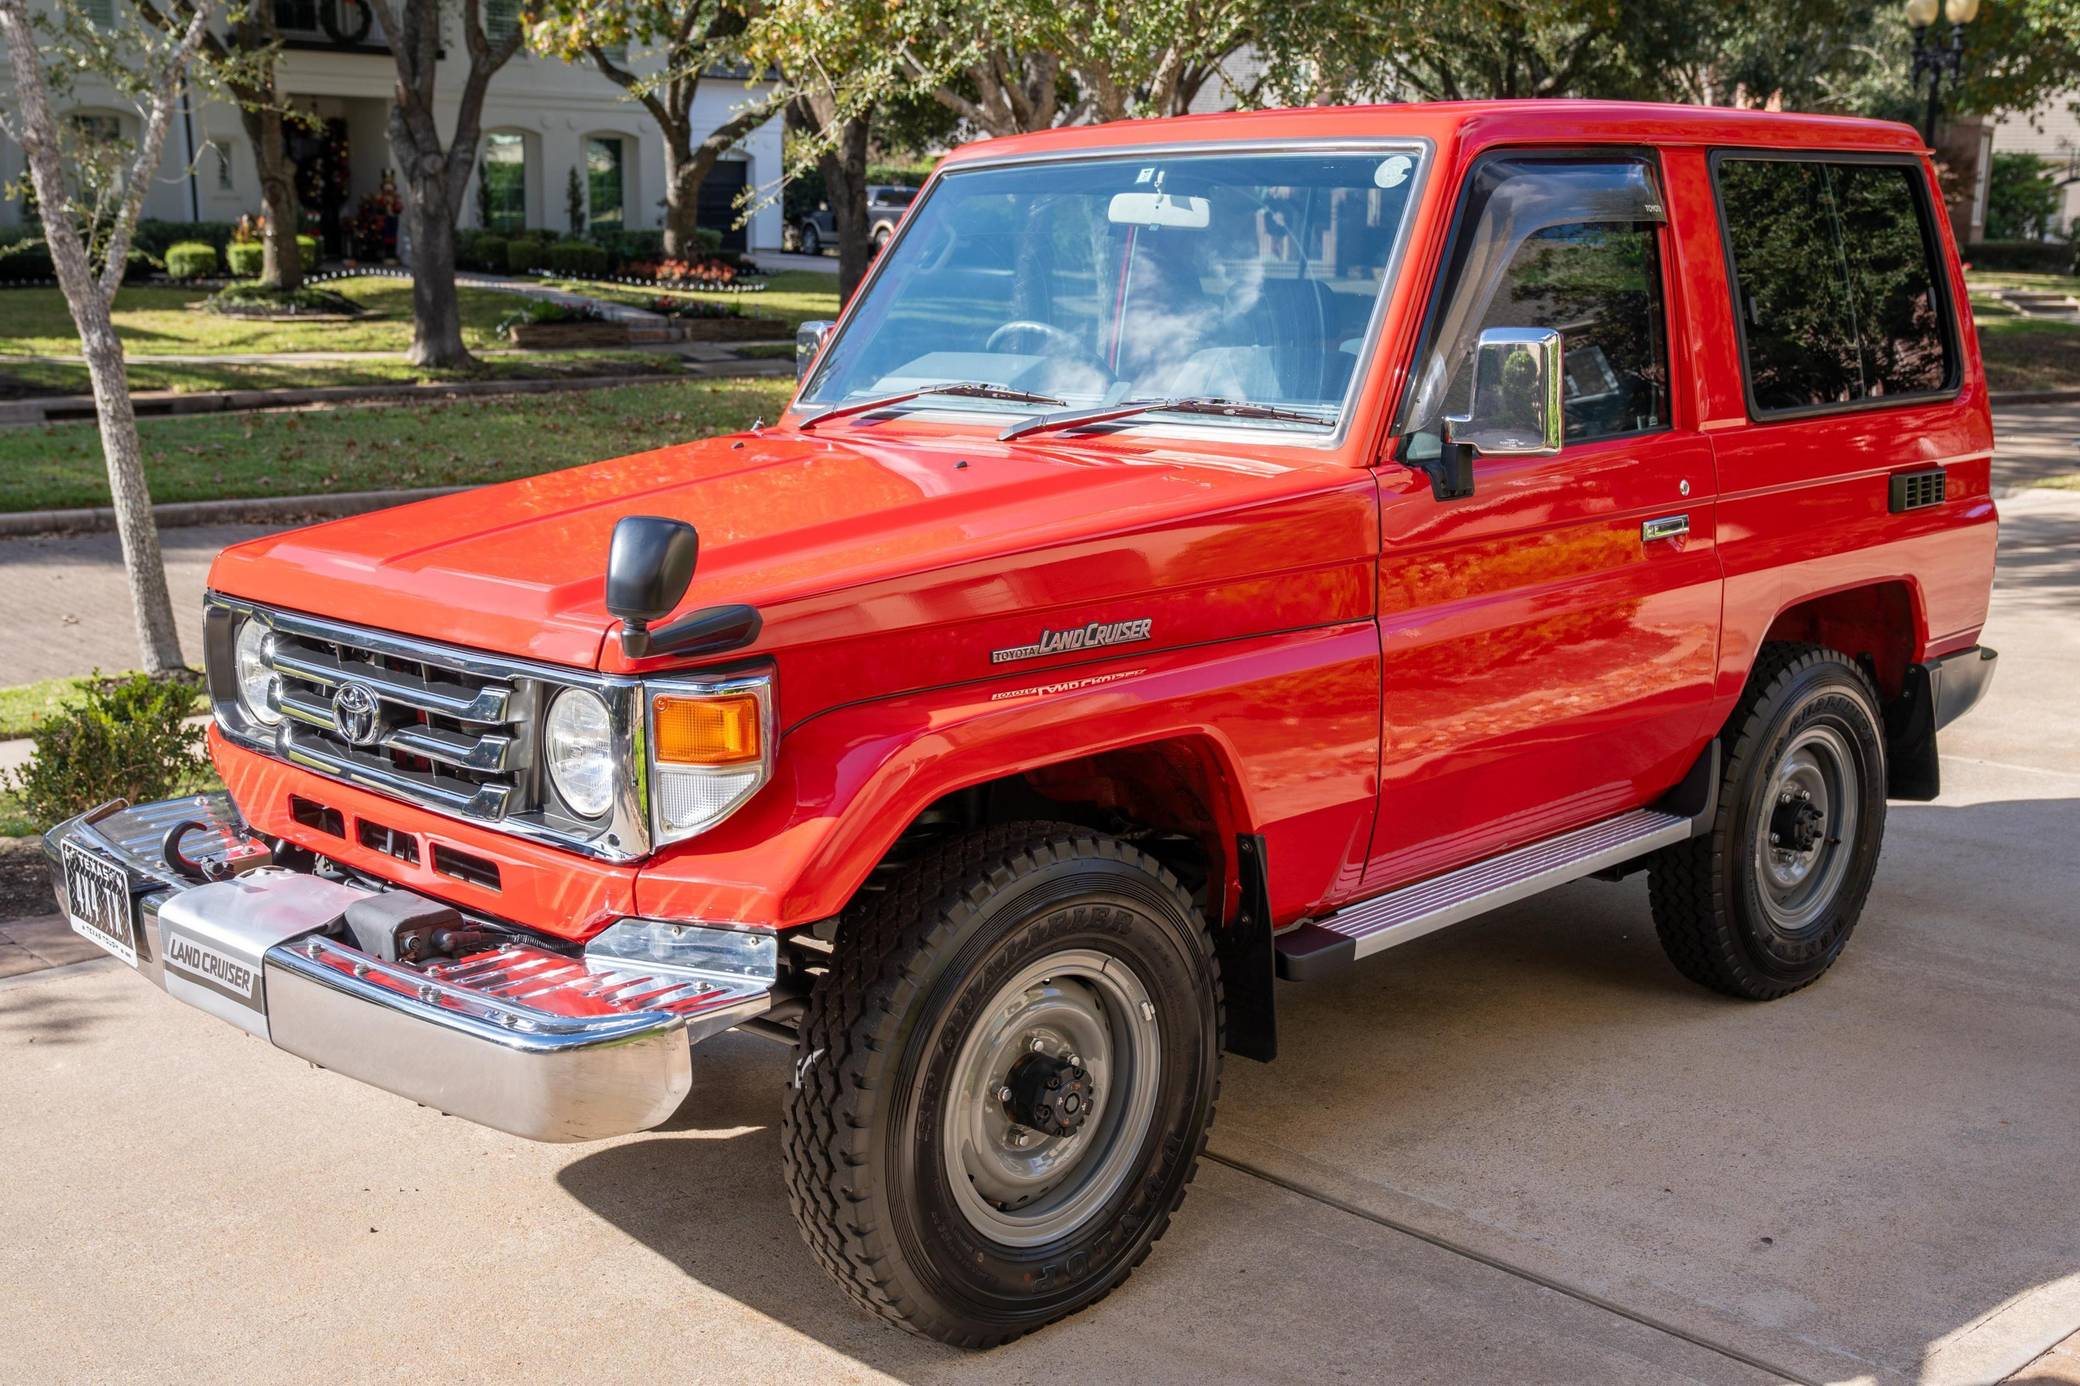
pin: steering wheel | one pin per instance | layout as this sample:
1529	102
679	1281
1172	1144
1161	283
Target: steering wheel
1067	342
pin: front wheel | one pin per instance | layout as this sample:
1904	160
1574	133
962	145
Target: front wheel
1004	1082
812	240
1766	901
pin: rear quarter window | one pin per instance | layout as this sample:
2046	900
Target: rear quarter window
1837	282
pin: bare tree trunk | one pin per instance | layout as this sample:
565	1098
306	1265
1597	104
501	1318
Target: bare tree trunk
433	175
137	528
281	268
90	300
436	312
682	193
845	184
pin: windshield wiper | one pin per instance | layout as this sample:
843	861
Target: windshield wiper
1190	404
964	389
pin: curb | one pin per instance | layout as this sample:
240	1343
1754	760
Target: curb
178	514
162	403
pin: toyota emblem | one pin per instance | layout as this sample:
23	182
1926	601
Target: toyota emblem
355	715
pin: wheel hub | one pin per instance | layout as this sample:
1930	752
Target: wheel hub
1796	825
1049	1094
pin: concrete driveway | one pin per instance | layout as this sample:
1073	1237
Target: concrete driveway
1524	1150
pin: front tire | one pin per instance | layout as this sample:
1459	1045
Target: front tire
1004	1082
1765	902
812	239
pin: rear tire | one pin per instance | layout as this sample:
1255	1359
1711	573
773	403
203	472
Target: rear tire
1765	902
811	239
972	1205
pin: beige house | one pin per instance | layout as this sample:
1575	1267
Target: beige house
542	118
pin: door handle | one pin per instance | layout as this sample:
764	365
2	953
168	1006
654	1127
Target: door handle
1667	527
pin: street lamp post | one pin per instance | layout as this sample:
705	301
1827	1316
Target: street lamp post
1935	59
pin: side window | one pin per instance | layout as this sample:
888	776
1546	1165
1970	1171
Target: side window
1599	284
1835	282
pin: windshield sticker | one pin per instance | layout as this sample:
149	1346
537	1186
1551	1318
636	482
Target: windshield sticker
1393	172
1090	637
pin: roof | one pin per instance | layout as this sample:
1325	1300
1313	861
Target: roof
1476	124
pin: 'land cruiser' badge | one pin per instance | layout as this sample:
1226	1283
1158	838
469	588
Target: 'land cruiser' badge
1088	637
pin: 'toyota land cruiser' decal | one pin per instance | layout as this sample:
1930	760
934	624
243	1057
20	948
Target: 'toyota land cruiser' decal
1090	637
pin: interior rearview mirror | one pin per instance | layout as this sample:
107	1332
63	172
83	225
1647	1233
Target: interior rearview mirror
808	340
1159	209
1514	405
649	567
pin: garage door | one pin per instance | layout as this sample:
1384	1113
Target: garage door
718	203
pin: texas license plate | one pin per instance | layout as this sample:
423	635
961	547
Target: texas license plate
98	901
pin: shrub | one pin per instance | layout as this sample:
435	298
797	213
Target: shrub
156	237
2020	257
244	258
542	310
623	246
523	255
488	252
581	258
307	252
191	259
708	239
26	260
126	738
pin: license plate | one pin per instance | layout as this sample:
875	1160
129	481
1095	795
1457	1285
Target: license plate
98	901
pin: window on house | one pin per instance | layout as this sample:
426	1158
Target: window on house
1835	282
100	13
501	19
1599	284
504	172
603	181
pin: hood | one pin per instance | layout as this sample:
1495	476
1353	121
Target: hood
520	568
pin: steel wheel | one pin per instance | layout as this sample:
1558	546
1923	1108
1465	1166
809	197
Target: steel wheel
1801	857
1051	1097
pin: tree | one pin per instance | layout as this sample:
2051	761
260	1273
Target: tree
1010	66
1846	56
149	67
244	59
695	37
573	200
435	175
2022	198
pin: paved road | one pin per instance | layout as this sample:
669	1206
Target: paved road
69	611
1519	1151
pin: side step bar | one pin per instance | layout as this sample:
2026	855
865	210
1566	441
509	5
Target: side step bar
1315	949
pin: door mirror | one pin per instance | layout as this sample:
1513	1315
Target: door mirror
808	340
1514	406
649	567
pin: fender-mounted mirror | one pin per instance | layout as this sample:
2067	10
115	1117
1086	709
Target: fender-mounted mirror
649	567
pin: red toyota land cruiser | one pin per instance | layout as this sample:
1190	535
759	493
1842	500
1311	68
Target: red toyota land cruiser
1207	550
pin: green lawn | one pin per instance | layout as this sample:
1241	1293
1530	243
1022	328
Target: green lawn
2028	353
791	297
26	704
2046	283
20	379
154	320
424	443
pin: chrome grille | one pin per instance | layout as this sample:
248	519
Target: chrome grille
448	729
442	735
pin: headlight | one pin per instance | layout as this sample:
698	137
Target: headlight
711	748
256	682
579	743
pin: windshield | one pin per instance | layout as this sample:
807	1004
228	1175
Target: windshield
1249	278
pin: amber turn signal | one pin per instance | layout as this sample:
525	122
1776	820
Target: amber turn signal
707	731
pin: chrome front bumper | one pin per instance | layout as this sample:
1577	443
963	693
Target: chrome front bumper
543	1044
